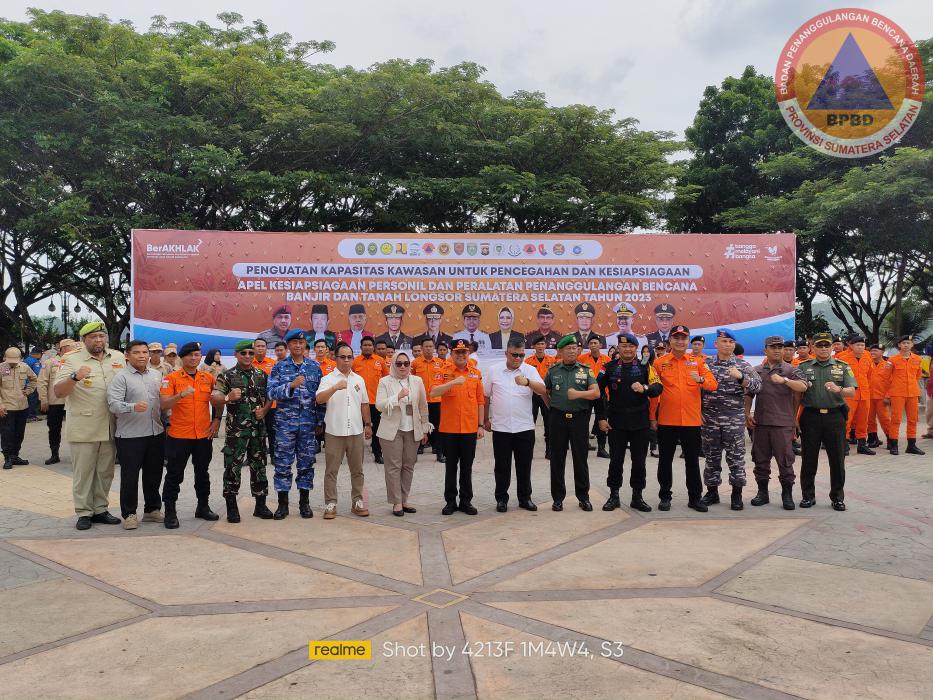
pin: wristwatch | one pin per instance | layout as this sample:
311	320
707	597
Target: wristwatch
74	377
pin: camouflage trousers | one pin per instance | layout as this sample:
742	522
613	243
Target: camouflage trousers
728	437
242	452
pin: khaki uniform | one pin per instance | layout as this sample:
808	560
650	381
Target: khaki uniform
164	367
90	428
14	381
48	375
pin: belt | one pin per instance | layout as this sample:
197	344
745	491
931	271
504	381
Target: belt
814	409
567	414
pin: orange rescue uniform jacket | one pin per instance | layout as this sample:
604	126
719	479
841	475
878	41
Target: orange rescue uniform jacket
191	416
863	369
371	369
431	373
680	404
905	376
460	404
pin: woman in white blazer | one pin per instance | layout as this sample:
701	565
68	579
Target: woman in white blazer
403	403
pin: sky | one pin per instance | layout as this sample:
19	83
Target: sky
648	60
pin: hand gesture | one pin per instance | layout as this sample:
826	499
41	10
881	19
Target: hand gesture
260	412
297	381
459	380
519	378
340	384
777	378
403	392
234	394
832	387
187	391
735	373
83	372
140	407
695	377
573	394
604	426
638	387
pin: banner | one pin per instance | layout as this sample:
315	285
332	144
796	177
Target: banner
218	287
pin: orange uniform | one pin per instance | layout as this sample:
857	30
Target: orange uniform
595	364
328	365
878	412
904	392
371	369
460	404
431	373
680	403
863	369
266	366
541	365
191	416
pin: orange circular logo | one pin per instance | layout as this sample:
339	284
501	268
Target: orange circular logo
849	82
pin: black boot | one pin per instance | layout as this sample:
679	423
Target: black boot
7	463
601	446
912	448
19	461
54	458
737	498
787	496
873	440
864	449
852	439
846	451
282	511
613	501
171	517
892	447
262	510
761	498
233	510
712	496
204	511
304	507
638	503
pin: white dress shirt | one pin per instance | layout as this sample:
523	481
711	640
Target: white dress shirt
481	339
344	416
509	403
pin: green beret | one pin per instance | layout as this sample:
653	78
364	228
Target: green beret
91	327
566	340
243	345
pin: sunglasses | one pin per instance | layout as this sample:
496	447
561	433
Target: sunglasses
517	354
403	363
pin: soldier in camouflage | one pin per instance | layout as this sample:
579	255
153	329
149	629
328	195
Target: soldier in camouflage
242	388
724	419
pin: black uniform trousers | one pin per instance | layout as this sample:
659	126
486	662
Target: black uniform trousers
12	432
829	430
505	446
537	404
434	418
689	438
54	419
460	449
146	454
572	431
637	443
269	420
178	450
375	417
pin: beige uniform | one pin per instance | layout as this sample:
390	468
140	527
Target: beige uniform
164	367
48	375
90	427
14	381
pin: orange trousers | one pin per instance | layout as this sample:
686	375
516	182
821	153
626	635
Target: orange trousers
878	413
858	418
898	405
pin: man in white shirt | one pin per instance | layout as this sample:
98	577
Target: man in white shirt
509	387
346	423
471	332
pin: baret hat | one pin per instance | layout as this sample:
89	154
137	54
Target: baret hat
189	348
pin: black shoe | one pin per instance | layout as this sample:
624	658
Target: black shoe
84	522
467	508
171	517
420	449
262	510
304	506
233	509
712	496
737	498
528	505
846	451
586	505
697	505
409	509
204	512
502	506
282	511
892	447
449	509
7	463
839	505
638	503
379	460
761	498
807	502
664	505
19	461
852	439
787	496
912	448
613	501
53	459
602	453
105	518
547	452
873	440
557	506
442	459
398	513
655	454
863	449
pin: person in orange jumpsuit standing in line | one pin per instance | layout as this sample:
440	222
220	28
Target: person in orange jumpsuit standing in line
878	411
904	394
863	369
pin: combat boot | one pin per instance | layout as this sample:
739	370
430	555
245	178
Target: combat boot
852	439
761	498
638	503
737	498
712	496
262	510
54	458
846	451
171	517
912	448
864	449
873	440
204	511
601	445
613	501
304	507
8	463
233	509
282	511
787	496
892	447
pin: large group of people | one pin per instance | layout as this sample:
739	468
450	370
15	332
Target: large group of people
153	409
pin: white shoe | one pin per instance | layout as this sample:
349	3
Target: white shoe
330	511
130	522
154	516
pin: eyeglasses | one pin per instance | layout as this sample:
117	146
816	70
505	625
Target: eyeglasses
402	364
344	357
517	354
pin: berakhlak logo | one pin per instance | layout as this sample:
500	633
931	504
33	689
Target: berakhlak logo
173	251
849	82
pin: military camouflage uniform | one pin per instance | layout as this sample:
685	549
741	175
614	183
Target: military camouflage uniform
724	421
297	415
245	443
